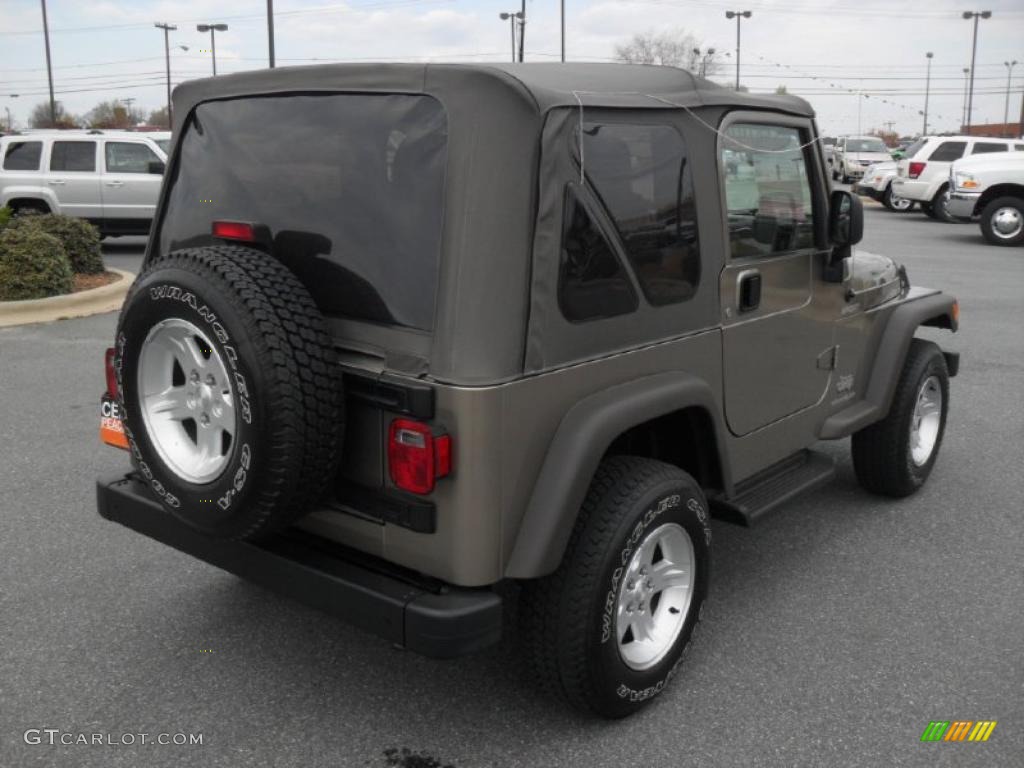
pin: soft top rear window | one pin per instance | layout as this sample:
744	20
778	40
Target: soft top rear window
348	186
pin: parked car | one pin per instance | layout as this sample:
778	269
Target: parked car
111	178
404	333
990	188
853	154
923	173
877	184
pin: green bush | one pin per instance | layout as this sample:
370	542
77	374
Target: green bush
5	216
33	265
81	240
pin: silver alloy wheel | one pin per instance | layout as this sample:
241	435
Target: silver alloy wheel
1007	222
924	428
900	203
186	400
654	596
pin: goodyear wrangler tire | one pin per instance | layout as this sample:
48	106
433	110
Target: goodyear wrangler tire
231	397
607	630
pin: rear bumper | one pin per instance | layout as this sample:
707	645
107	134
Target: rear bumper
431	619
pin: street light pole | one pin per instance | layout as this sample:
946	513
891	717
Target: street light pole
49	68
270	30
738	15
563	31
511	17
927	89
1009	74
212	29
167	56
974	50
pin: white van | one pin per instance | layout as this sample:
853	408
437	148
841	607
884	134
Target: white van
923	172
111	178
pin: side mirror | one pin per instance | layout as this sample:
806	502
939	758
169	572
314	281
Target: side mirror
845	220
157	167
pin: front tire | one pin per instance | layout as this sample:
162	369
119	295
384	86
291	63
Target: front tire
1002	221
607	630
894	456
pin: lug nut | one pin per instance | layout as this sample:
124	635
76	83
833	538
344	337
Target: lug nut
194	376
210	380
204	419
630	585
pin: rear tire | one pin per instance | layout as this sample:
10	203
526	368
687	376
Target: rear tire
1002	221
895	203
606	631
231	395
894	456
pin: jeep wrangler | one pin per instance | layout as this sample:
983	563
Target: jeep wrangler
405	333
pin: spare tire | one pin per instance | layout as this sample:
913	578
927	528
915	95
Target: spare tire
230	390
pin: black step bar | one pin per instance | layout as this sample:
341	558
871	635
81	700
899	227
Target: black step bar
428	618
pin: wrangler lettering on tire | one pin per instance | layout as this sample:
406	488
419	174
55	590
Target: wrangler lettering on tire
230	394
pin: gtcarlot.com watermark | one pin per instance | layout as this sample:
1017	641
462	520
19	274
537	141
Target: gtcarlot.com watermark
56	737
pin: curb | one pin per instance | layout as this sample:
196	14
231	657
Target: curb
106	298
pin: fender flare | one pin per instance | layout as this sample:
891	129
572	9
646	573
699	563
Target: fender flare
31	193
576	449
937	310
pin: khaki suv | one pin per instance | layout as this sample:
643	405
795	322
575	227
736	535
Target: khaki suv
407	334
111	178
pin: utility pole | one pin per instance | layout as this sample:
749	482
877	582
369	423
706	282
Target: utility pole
963	111
927	89
739	16
167	56
563	31
1009	74
270	30
49	68
511	17
522	31
889	125
974	50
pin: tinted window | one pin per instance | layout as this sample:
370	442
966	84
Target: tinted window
73	156
128	157
592	282
767	190
23	156
164	144
983	147
642	176
1019	147
948	151
914	148
350	187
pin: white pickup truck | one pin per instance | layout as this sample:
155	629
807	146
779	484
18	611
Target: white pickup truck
990	188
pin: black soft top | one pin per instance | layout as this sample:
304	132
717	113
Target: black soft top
544	85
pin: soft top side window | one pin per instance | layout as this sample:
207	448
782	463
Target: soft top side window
642	175
592	282
23	156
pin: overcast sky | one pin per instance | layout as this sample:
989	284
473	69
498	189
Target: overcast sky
825	51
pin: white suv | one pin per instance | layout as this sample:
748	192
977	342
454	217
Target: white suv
923	173
111	178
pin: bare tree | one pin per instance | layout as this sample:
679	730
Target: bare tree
113	114
674	48
40	117
159	117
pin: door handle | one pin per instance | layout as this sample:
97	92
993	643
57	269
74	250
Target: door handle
115	183
748	290
57	182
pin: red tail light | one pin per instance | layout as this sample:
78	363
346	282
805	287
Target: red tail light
234	230
417	458
108	364
915	169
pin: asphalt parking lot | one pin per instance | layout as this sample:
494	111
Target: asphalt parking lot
836	629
